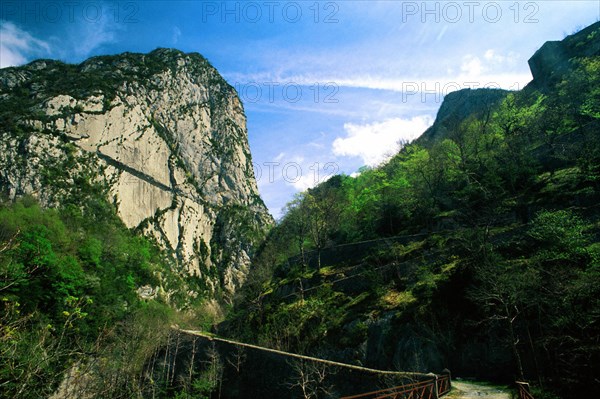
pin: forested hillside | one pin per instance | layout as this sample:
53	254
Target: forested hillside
474	248
76	291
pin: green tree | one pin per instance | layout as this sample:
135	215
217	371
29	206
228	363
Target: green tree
324	205
297	223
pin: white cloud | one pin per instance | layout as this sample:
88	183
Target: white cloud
176	34
491	55
497	60
492	63
90	35
374	142
294	170
18	46
471	66
279	157
310	175
304	182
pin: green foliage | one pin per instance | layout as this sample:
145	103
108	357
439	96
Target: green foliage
67	276
561	235
299	324
508	200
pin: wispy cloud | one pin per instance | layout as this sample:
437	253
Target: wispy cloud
279	157
491	69
17	46
75	41
176	35
88	36
471	77
375	142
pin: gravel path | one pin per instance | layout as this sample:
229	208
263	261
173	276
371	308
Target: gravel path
475	390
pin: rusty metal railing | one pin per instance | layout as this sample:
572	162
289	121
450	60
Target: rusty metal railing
523	389
428	389
443	384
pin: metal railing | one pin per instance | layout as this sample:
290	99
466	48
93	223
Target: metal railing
428	389
523	389
443	384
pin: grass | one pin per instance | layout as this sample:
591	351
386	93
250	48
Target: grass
394	299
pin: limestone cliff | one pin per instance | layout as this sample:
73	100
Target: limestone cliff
162	134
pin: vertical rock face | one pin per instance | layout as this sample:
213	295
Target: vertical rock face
164	136
552	60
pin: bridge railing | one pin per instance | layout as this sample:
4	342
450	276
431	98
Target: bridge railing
428	389
523	390
443	384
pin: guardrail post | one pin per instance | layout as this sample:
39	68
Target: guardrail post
523	389
447	372
433	386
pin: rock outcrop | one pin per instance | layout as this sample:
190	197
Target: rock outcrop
456	108
552	60
548	65
162	135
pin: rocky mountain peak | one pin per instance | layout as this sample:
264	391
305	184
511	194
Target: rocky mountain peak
162	133
548	65
552	60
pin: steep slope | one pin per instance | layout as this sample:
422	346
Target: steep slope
475	248
551	62
458	106
162	133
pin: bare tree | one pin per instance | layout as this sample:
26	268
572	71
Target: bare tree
237	358
310	378
499	292
213	373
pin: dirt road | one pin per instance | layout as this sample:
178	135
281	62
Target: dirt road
477	390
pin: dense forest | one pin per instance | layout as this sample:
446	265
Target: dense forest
70	291
474	248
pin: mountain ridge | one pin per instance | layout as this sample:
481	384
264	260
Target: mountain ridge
547	65
167	135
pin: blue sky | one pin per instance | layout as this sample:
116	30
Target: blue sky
328	86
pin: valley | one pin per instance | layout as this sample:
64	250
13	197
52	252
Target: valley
138	259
